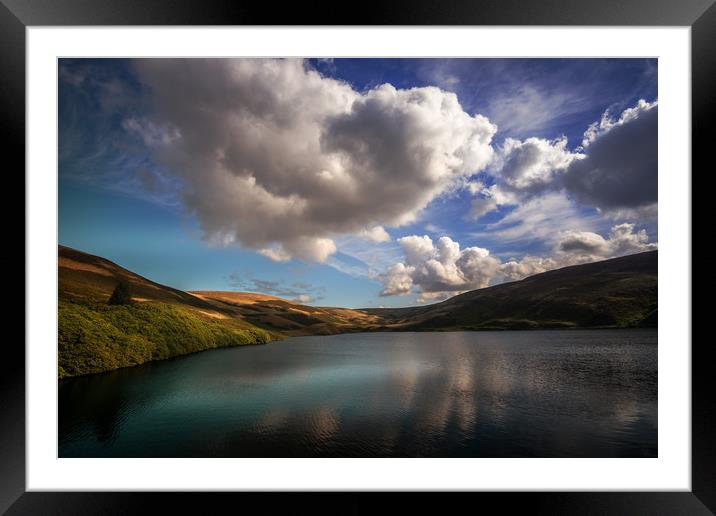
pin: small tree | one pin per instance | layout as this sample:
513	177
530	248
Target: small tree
121	294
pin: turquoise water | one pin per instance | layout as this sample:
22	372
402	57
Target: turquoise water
472	394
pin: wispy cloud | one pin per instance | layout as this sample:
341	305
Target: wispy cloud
297	291
539	219
359	257
526	109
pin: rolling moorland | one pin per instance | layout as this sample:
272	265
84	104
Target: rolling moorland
158	322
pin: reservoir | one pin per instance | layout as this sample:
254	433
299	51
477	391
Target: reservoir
562	393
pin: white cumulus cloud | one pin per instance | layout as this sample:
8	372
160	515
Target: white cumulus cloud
533	163
522	169
397	280
437	269
278	158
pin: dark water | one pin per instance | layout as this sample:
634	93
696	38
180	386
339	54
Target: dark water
481	394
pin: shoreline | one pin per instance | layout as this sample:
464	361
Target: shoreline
289	337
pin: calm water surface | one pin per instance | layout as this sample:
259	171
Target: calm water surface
471	394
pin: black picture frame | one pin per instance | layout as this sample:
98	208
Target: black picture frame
17	15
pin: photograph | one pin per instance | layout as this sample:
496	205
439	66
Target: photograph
409	249
353	257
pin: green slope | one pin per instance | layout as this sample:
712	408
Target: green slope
160	323
93	338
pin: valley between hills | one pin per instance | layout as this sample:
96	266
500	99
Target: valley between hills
160	322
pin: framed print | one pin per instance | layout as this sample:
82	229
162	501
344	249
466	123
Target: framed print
269	251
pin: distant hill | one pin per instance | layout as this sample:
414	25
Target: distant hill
162	322
620	292
289	318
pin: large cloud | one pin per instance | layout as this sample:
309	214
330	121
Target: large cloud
620	169
615	169
275	157
436	271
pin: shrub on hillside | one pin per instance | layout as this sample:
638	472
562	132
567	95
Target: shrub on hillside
121	294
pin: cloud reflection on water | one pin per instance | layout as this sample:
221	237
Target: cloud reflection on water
451	394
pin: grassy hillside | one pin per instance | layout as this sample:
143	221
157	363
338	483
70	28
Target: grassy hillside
621	292
99	337
160	322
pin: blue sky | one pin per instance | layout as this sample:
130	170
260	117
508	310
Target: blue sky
356	182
